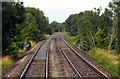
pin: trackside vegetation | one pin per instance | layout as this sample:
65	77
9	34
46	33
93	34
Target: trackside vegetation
93	31
97	33
93	28
22	28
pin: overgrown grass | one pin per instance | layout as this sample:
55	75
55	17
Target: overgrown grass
71	39
106	60
6	62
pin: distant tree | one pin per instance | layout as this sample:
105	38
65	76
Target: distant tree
56	27
71	25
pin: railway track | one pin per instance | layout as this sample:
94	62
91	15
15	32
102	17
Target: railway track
58	65
81	66
63	58
37	62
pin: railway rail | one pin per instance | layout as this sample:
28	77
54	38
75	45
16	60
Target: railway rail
69	61
47	60
58	65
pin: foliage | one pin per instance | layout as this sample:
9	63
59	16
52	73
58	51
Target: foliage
41	20
12	13
101	40
21	25
96	29
70	25
56	27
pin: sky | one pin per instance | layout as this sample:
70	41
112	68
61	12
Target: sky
60	10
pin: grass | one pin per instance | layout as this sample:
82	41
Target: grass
0	65
106	60
6	62
71	39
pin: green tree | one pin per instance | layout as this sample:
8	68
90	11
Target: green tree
20	25
41	21
12	14
56	27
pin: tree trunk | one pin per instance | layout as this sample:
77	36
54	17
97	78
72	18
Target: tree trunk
93	39
111	39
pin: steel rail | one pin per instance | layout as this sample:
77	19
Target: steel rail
87	62
76	71
46	66
47	60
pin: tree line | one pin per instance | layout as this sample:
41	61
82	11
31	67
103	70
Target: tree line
20	25
93	28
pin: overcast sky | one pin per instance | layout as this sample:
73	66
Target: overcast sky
60	10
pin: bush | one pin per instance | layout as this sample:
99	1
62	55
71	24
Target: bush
102	41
